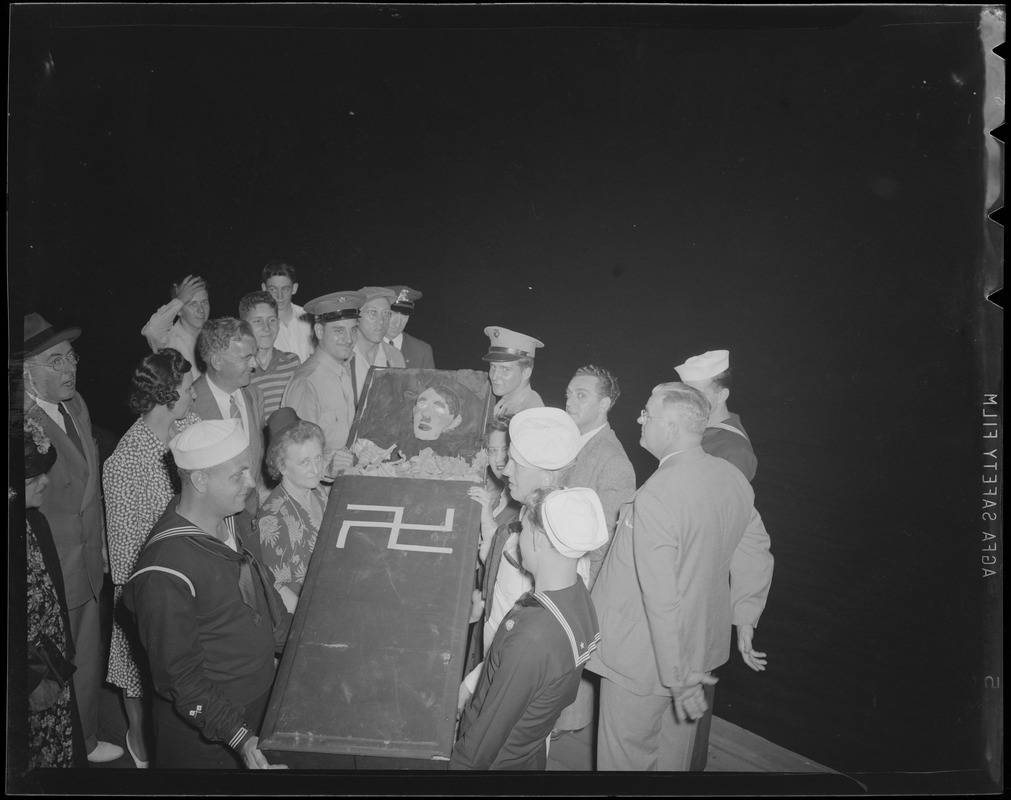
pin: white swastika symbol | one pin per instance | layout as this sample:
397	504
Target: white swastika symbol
395	526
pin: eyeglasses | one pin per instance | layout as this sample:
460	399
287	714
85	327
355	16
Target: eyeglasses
643	415
59	362
375	314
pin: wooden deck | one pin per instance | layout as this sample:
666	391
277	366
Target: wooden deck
731	749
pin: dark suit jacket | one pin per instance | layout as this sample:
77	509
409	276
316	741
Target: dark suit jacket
73	503
417	354
207	407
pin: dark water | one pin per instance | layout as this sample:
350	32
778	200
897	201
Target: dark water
806	193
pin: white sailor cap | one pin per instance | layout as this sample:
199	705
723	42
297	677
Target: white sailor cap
208	443
507	345
708	365
574	521
543	438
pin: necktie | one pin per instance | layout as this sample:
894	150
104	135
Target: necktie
233	410
390	342
352	367
72	433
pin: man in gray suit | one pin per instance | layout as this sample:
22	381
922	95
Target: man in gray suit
603	466
73	507
663	598
228	347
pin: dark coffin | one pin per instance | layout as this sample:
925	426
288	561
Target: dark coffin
372	668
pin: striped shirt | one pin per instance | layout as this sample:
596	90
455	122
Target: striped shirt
273	380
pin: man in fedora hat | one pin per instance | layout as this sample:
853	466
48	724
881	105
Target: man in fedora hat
417	354
73	506
512	363
207	612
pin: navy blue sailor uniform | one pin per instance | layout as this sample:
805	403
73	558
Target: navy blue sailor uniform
531	673
211	623
728	440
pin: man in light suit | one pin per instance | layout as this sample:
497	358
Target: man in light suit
417	354
663	598
73	507
228	347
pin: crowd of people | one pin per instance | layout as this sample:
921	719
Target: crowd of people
592	600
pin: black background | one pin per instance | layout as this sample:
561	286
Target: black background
803	187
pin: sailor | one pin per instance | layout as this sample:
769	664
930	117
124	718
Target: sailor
417	354
512	363
208	614
533	668
725	436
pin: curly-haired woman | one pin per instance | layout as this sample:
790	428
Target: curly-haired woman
138	480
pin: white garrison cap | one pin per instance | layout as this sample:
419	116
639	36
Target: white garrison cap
208	443
574	521
708	365
543	438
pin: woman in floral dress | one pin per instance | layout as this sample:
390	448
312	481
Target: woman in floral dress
287	523
54	729
139	480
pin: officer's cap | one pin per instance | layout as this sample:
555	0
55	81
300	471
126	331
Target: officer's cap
405	298
372	292
507	345
335	306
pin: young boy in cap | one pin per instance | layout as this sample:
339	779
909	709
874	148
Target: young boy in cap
532	670
208	616
725	436
417	354
512	363
321	390
372	349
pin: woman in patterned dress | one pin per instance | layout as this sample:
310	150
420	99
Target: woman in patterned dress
54	728
139	480
287	523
